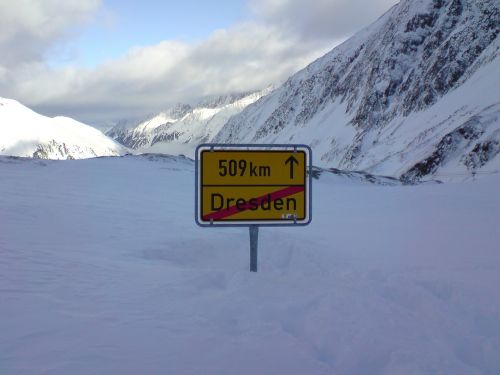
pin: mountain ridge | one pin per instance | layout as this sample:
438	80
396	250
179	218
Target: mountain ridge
26	133
365	92
182	127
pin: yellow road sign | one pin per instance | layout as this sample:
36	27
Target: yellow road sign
247	185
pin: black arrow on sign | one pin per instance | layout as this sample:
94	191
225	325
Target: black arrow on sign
291	160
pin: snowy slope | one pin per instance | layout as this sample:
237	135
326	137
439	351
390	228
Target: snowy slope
182	128
26	133
120	280
413	95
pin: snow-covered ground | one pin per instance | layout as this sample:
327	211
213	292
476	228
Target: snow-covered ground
103	271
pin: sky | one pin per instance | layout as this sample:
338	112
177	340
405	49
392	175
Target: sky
100	61
120	25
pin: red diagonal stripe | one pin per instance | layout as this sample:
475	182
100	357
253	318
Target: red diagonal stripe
219	215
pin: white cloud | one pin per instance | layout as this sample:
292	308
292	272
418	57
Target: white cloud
320	19
28	28
250	55
147	79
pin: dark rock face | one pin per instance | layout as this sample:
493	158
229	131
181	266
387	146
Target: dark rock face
481	154
165	136
61	150
395	73
470	141
458	139
128	139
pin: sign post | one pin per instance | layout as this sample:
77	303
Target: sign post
254	246
253	185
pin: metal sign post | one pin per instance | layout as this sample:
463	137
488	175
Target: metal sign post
254	245
253	185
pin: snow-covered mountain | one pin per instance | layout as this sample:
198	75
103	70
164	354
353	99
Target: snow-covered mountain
182	128
26	133
413	95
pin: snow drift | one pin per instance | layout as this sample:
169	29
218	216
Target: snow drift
120	280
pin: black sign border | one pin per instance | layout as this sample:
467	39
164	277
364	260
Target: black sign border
254	147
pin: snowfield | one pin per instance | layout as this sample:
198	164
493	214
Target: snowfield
104	271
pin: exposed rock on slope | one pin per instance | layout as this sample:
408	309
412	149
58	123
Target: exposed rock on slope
390	98
183	127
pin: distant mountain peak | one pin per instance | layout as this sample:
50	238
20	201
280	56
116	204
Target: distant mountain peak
26	133
178	111
182	127
216	101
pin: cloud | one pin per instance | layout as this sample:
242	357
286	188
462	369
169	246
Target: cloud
320	19
29	28
245	58
278	41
